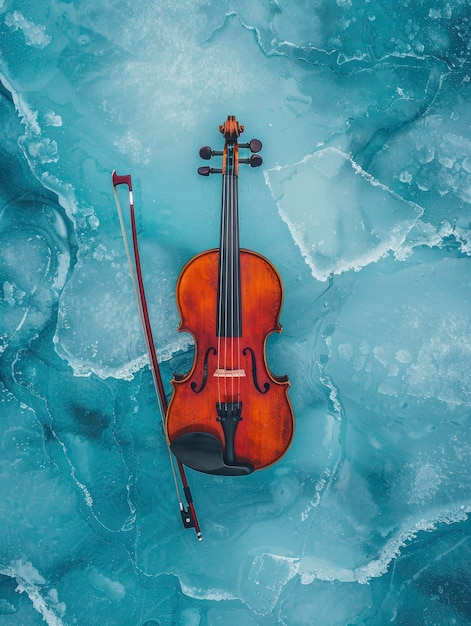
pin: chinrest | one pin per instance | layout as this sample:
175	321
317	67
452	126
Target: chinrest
203	452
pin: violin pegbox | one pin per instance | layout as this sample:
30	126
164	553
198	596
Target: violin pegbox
231	129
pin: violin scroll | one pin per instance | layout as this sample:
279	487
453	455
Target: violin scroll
231	130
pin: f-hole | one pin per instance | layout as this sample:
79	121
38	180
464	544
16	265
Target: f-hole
193	385
266	386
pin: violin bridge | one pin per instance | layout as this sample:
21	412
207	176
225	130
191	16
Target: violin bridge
222	373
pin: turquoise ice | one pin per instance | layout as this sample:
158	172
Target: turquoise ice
363	205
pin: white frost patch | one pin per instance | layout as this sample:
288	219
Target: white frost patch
93	222
8	293
36	148
30	581
63	265
441	367
426	483
113	589
345	351
51	119
34	35
130	145
44	151
312	568
65	193
403	356
199	593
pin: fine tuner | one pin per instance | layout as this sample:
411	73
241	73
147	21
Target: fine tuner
255	160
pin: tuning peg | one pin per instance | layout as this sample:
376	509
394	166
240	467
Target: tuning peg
255	145
254	161
206	171
206	152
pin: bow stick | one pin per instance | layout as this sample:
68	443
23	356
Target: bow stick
188	515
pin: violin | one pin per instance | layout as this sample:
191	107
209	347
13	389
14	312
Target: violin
229	415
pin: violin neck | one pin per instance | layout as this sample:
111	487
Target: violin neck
229	319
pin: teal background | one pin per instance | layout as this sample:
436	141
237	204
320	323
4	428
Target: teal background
363	205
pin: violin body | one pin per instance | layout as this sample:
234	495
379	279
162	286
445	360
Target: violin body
229	415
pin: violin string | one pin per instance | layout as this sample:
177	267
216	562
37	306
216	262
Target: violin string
238	284
225	269
231	234
229	316
235	298
226	290
220	304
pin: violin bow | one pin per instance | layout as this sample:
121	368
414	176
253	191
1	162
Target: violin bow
188	514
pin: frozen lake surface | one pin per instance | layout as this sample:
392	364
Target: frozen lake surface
363	203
